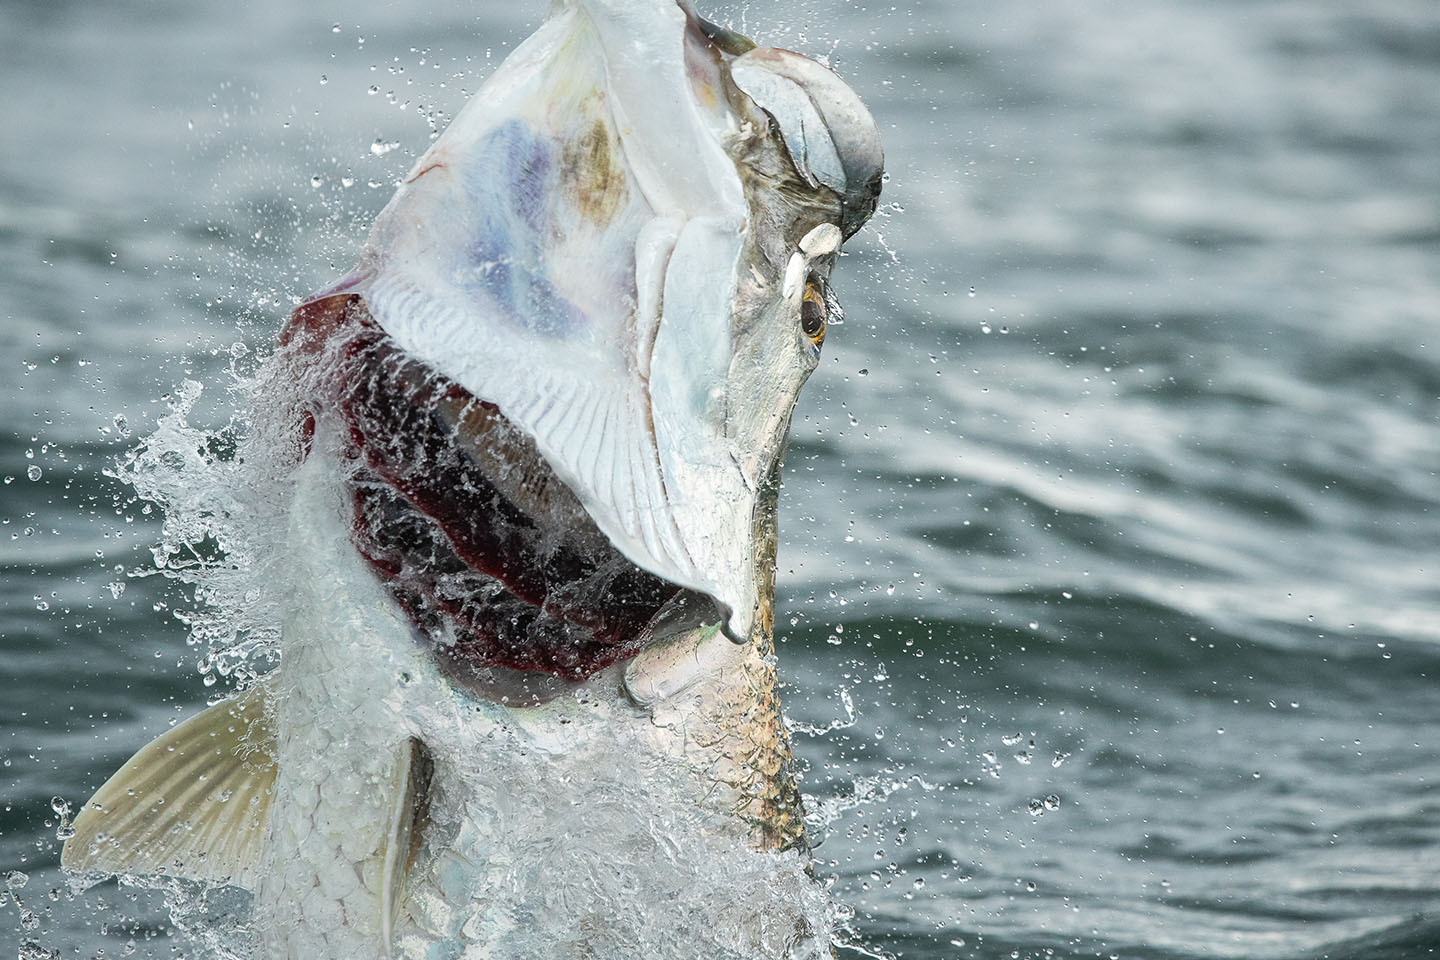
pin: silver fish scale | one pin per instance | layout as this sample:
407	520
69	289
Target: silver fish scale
319	895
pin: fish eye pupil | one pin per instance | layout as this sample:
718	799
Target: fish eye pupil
812	312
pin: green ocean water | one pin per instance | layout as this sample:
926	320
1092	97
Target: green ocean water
1110	565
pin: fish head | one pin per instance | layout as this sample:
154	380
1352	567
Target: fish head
624	244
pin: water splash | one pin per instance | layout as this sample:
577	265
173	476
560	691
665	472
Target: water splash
223	494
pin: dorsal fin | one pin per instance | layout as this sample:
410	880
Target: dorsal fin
191	803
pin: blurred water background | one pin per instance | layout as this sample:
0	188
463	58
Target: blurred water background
1109	595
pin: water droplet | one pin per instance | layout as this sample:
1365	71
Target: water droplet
16	879
117	589
122	425
324	79
381	147
33	472
864	372
335	28
317	181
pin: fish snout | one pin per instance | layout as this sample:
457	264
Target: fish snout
829	134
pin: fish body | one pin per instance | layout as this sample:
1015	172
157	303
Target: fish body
526	702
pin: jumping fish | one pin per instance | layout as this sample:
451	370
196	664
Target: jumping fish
526	703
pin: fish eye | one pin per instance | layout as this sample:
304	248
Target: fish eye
813	310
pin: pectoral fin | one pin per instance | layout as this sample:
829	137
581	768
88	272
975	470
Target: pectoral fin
192	803
409	812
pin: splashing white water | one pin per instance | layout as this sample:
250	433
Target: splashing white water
223	495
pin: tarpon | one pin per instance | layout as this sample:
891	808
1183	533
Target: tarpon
526	703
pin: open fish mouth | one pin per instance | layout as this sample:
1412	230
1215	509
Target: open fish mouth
621	250
555	392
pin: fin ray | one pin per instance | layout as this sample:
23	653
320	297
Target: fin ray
193	802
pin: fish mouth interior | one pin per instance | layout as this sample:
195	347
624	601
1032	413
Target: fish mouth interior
494	560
